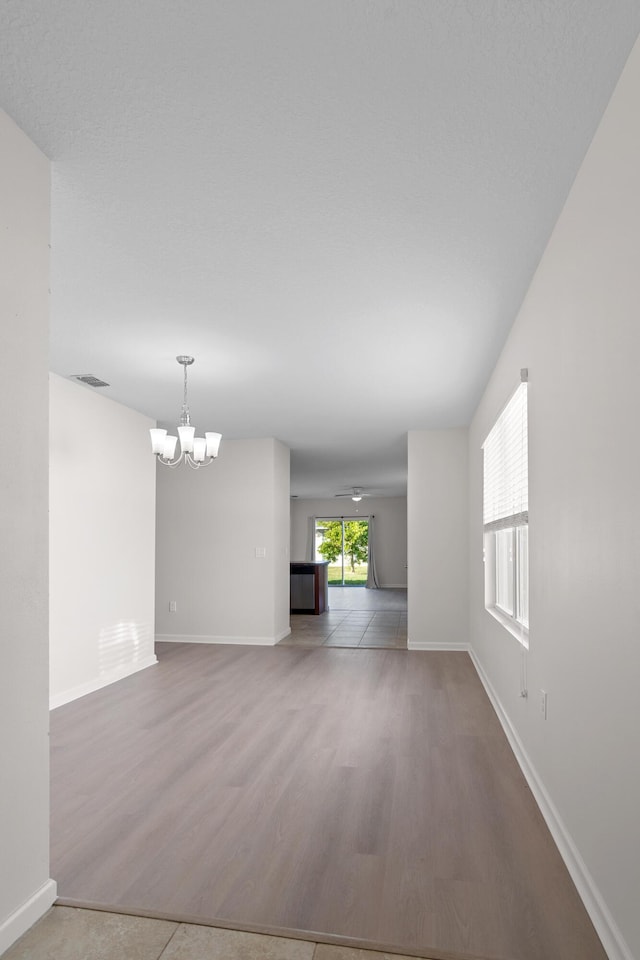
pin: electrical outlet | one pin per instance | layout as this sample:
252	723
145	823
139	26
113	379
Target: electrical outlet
543	703
172	606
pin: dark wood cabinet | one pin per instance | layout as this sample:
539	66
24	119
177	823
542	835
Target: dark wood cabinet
309	586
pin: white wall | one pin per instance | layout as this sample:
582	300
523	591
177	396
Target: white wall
579	334
437	498
210	524
281	540
102	541
390	531
26	891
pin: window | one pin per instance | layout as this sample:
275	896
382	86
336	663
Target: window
344	542
506	516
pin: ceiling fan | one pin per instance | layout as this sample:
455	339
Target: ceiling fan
356	494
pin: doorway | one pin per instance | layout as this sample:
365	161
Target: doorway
344	543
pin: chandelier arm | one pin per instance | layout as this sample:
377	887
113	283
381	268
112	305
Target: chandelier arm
186	458
170	463
196	464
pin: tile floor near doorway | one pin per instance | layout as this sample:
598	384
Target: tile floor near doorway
67	933
356	618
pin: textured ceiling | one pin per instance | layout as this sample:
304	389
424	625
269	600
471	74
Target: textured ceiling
336	206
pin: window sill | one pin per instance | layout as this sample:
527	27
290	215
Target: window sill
514	628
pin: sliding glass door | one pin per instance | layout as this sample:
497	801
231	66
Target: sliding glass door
344	543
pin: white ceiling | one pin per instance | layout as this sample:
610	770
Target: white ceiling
335	205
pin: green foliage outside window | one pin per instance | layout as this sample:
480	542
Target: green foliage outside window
356	541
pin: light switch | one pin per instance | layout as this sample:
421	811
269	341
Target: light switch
261	553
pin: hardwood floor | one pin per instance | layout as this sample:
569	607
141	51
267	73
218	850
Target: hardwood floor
367	793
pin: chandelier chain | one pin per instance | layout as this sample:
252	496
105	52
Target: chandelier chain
185	419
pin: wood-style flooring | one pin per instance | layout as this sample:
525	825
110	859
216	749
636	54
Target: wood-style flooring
364	793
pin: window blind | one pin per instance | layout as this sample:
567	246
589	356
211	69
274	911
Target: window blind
506	466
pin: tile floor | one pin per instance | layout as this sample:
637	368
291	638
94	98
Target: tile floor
69	933
386	629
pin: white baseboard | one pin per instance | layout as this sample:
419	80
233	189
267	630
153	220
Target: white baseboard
59	699
200	638
612	940
427	645
26	915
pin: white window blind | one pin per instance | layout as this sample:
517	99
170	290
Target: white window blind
506	474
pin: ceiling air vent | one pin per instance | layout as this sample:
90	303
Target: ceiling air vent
90	380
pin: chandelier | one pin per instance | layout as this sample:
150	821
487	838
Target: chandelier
195	451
